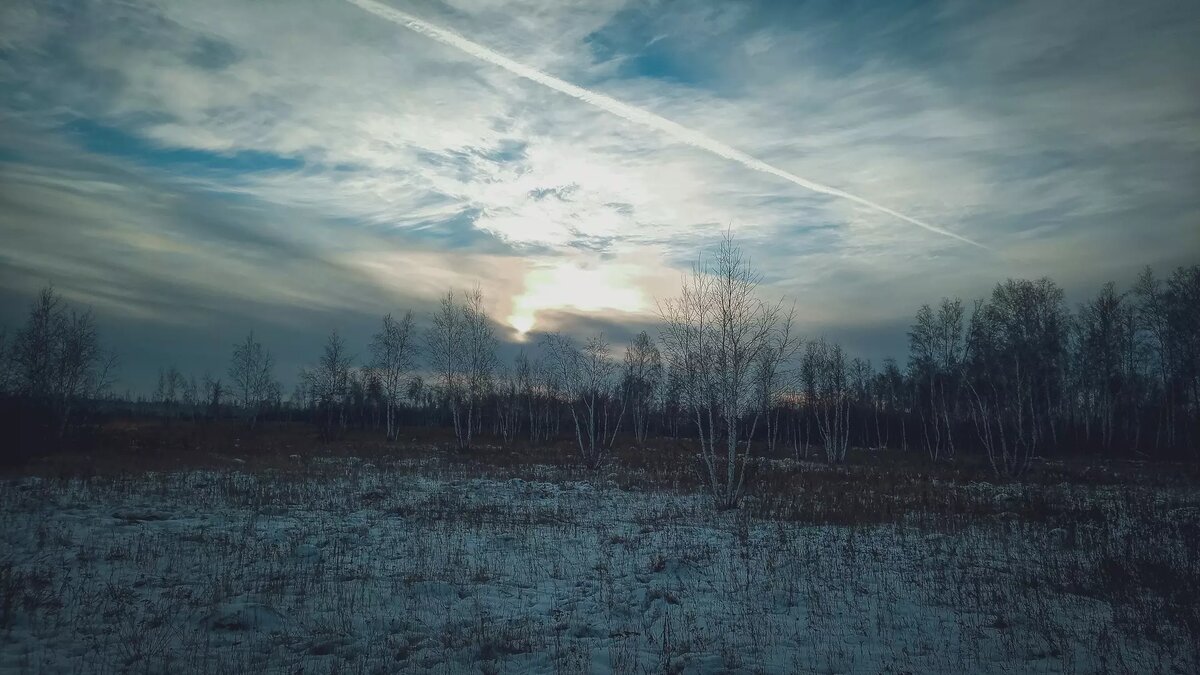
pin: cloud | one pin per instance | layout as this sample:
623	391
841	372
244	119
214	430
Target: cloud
632	113
303	164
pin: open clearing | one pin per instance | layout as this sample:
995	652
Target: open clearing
373	566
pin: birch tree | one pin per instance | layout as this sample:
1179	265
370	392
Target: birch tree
479	357
252	373
393	351
775	374
936	350
713	335
586	377
330	383
832	398
1015	370
462	351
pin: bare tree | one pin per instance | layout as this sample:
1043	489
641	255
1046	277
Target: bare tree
213	391
1106	363
420	395
479	356
774	373
251	370
171	385
393	351
330	383
832	398
935	365
83	369
713	336
300	398
1015	370
807	381
523	379
543	391
1169	313
891	392
445	349
362	398
586	378
57	359
462	351
34	347
641	381
862	376
508	401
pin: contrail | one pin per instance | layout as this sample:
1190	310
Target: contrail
628	112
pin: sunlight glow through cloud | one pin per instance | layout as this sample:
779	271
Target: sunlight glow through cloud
570	286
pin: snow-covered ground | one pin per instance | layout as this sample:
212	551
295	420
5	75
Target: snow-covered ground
361	569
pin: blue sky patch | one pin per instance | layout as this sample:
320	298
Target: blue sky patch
108	140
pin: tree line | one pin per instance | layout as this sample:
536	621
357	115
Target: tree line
1011	377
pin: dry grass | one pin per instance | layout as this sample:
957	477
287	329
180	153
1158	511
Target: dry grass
1105	552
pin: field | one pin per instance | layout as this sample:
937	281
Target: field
265	556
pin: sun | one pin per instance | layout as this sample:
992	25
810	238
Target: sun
522	323
572	286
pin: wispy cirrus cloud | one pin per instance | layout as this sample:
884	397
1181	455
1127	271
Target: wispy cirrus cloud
312	158
631	113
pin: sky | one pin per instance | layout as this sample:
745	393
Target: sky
196	170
